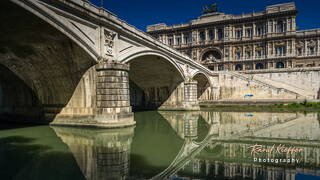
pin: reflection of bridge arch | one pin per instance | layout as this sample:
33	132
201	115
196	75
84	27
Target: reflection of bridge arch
191	148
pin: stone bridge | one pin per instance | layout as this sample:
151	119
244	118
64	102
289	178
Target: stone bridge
70	62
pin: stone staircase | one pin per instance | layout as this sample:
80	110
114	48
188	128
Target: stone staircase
270	83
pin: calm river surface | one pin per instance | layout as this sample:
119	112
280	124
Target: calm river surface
168	145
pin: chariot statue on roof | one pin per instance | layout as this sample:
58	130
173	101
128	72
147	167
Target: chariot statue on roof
211	9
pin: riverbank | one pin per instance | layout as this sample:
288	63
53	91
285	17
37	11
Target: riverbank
262	107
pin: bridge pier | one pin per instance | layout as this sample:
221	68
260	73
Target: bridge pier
184	97
113	95
105	91
190	95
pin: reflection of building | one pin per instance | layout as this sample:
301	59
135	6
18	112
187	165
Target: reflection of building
234	160
259	40
228	154
100	154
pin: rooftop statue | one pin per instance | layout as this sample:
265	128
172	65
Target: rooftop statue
212	9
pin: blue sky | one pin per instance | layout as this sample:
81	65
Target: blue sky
141	13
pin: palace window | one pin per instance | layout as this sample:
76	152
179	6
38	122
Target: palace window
220	34
259	30
259	66
238	55
220	67
259	53
239	33
311	50
249	32
299	51
178	40
280	27
202	36
170	41
238	67
187	37
280	64
211	34
248	54
280	50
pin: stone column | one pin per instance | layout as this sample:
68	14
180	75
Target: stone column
182	39
287	48
243	53
113	98
305	48
243	31
253	51
215	33
190	95
318	46
288	24
207	35
270	24
293	21
254	29
293	47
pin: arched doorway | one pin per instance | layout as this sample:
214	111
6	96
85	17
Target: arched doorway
238	67
211	55
280	64
259	66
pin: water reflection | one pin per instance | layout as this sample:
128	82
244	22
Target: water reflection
100	154
198	145
228	155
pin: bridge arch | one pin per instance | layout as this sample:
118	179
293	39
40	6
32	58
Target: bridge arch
155	79
68	28
139	52
203	85
49	63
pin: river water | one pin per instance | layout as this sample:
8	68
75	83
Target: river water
168	145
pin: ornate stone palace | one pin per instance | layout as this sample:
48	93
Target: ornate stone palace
255	41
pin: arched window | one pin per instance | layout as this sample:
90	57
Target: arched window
211	55
280	64
238	67
220	67
259	66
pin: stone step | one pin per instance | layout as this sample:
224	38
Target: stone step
274	84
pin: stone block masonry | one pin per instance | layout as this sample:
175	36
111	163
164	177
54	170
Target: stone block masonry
111	107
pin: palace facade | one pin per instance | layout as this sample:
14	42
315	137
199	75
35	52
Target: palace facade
255	41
